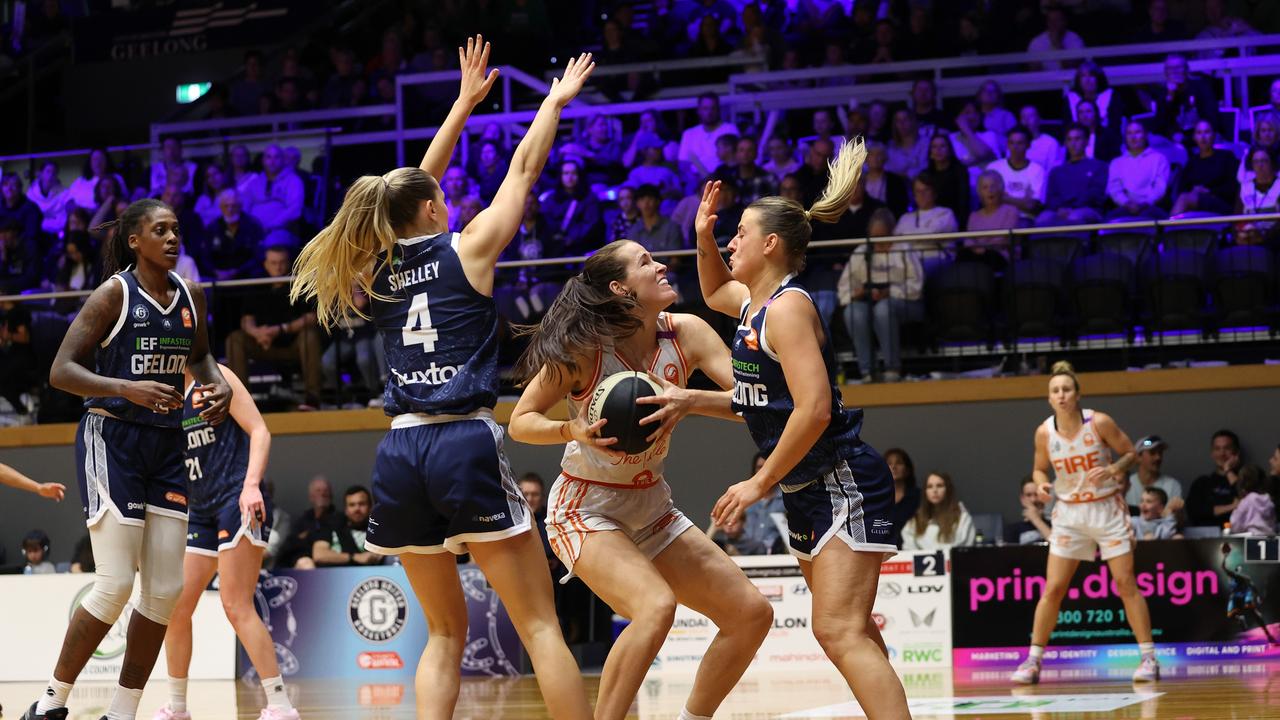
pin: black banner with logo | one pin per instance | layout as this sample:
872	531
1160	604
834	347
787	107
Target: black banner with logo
185	28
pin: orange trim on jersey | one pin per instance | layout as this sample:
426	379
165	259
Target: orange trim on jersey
595	377
675	341
575	515
650	482
566	517
1113	493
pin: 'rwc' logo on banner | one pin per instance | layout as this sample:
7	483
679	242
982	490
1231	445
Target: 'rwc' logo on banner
377	609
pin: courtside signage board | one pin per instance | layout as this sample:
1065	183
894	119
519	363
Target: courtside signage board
1027	704
912	611
1210	600
364	623
38	608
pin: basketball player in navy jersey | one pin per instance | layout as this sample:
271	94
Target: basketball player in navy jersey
835	487
227	534
126	352
441	483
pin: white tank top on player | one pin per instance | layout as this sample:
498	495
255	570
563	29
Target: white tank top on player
633	471
1073	458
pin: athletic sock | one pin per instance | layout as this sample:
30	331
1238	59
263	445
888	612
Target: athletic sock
178	694
276	695
124	705
1036	653
686	715
55	696
1147	648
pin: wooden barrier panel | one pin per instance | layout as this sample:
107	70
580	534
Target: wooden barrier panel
949	392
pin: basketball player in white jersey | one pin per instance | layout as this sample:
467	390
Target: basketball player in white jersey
1090	515
610	518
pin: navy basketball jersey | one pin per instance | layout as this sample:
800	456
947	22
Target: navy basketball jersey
148	342
762	398
217	457
439	333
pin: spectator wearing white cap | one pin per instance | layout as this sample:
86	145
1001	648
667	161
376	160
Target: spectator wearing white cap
1150	451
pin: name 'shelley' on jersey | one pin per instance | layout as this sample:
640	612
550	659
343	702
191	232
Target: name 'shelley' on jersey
439	332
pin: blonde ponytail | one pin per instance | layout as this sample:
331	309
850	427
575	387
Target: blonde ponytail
843	174
792	223
342	255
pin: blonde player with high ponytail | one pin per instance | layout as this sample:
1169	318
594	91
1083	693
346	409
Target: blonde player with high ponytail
1089	456
441	484
835	487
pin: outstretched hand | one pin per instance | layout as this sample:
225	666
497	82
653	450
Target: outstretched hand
705	222
566	88
476	82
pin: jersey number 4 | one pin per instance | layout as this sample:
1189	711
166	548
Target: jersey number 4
417	329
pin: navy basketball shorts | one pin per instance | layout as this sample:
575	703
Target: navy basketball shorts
130	470
217	529
440	483
852	503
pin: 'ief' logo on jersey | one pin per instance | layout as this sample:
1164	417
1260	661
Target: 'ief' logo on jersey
377	608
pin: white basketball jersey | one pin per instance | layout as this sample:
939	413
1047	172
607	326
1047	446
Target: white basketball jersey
633	471
1073	458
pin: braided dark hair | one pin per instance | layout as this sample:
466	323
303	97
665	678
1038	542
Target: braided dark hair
116	254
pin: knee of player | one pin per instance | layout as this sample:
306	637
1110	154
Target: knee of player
239	609
833	632
109	596
159	598
1125	585
756	616
657	610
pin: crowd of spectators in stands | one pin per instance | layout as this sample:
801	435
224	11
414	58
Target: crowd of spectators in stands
988	163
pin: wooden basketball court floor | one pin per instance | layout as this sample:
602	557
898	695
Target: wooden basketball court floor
1236	691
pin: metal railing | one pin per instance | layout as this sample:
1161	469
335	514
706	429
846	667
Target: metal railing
1013	237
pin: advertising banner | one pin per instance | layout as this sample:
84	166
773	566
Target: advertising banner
184	28
364	623
911	610
38	608
1209	600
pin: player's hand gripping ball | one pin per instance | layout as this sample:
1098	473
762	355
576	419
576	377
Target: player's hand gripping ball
615	401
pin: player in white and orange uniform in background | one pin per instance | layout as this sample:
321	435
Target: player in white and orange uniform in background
1090	515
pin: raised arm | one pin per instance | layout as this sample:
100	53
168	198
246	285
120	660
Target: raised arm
487	235
474	60
720	291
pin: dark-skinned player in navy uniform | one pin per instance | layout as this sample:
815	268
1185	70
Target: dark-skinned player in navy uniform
441	483
227	534
126	352
835	487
